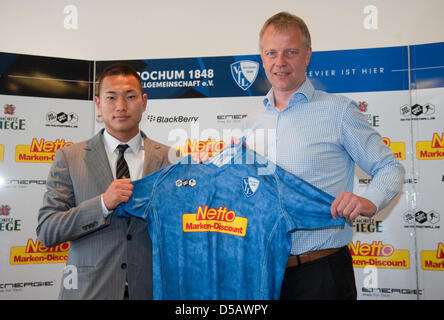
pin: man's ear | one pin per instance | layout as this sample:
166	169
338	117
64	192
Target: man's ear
97	103
308	57
145	100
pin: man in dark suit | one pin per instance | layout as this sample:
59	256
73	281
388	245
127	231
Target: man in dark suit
111	256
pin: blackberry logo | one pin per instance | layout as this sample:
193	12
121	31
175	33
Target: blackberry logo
172	119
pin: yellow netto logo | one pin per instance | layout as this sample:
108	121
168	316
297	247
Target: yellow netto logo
431	150
210	146
433	260
398	148
214	220
378	254
2	151
36	253
40	151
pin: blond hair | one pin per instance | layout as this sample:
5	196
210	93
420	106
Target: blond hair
283	21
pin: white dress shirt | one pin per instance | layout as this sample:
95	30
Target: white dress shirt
134	156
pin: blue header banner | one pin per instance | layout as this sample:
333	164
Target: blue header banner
360	70
343	71
210	77
427	65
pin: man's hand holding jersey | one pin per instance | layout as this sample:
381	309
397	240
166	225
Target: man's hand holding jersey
119	191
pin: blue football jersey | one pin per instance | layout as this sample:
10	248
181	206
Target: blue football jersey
220	229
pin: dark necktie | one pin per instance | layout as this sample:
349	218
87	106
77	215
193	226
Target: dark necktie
122	170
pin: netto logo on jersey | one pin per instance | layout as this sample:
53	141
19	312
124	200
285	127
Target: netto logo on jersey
219	220
210	146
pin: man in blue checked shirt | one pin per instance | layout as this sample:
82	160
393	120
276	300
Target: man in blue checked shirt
318	137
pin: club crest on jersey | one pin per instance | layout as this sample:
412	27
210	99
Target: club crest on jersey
249	186
244	73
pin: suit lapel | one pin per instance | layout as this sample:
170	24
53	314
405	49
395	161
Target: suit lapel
97	162
149	156
153	156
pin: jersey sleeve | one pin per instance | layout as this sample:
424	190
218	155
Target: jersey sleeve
307	206
142	194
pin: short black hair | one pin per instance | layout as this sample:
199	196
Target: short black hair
117	70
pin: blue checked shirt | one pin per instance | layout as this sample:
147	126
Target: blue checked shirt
319	137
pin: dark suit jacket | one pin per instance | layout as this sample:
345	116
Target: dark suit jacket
105	252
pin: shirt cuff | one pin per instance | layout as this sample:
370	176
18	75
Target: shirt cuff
378	198
105	211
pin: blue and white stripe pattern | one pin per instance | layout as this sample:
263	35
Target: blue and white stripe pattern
319	137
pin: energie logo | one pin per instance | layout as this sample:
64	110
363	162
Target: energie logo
214	220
